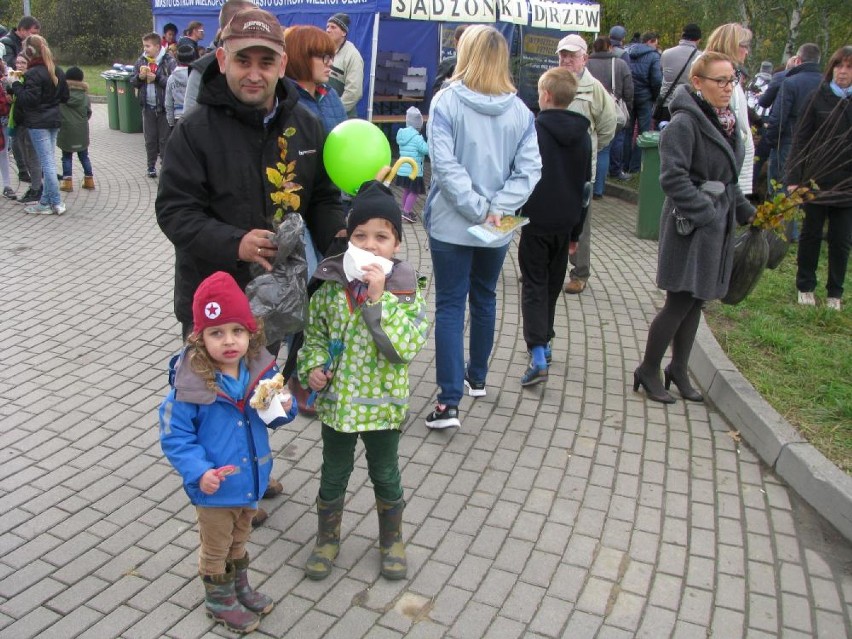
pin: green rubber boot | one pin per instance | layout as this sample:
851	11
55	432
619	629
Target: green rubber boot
251	599
329	514
394	564
223	606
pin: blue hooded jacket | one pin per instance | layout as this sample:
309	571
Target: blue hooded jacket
201	429
644	63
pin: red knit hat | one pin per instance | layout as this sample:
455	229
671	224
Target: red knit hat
219	300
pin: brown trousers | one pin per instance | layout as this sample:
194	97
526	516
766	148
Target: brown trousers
224	533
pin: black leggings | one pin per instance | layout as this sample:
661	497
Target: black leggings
675	324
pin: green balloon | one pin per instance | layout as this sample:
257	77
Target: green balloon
354	152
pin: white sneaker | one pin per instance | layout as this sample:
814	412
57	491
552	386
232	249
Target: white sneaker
59	209
833	303
39	209
807	298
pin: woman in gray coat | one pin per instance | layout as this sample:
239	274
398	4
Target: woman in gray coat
700	157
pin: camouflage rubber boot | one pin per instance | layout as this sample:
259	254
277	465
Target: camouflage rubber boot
251	599
224	607
394	564
329	513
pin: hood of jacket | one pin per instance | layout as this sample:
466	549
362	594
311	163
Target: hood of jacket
485	104
566	127
684	102
191	388
402	279
215	92
638	50
405	135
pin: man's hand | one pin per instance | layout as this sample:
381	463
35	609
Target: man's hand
258	246
572	248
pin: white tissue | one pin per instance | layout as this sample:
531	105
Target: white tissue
275	410
356	259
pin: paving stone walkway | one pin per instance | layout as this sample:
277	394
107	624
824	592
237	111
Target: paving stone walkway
575	509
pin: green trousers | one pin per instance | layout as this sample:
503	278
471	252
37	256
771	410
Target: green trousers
338	460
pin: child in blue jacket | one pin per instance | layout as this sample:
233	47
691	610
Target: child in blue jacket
218	441
411	145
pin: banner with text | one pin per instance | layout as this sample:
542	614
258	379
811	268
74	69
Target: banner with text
574	16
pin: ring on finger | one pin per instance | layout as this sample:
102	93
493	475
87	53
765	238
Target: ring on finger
259	250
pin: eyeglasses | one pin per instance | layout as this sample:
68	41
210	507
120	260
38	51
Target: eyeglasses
722	82
326	59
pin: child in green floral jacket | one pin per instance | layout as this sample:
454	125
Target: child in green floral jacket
367	322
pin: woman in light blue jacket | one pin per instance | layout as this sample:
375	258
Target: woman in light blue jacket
485	164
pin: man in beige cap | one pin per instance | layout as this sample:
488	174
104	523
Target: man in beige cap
594	102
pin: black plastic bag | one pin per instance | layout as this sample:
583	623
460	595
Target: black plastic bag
280	297
751	253
777	249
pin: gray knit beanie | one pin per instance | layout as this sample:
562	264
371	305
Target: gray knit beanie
414	118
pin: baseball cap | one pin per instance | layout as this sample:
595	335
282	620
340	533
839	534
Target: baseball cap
572	43
254	28
617	33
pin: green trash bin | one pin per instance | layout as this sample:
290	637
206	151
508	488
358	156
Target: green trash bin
650	192
129	111
112	101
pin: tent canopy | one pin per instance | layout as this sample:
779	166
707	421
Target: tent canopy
410	26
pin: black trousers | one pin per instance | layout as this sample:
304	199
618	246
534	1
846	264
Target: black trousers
839	240
544	261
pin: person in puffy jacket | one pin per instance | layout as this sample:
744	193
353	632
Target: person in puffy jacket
37	99
217	440
74	132
411	145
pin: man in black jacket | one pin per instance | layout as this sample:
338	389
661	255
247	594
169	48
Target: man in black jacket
214	199
13	42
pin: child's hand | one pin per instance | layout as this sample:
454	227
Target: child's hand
210	482
287	403
318	378
374	278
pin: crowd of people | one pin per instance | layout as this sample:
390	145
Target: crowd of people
272	95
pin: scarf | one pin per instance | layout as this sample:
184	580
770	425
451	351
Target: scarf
727	119
843	94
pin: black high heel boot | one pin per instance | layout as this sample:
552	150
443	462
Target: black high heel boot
653	388
683	386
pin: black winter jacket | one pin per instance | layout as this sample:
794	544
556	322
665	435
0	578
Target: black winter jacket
555	205
37	99
793	96
647	73
164	70
213	186
821	145
13	44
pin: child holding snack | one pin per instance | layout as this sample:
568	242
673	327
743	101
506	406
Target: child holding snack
213	431
367	322
411	145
